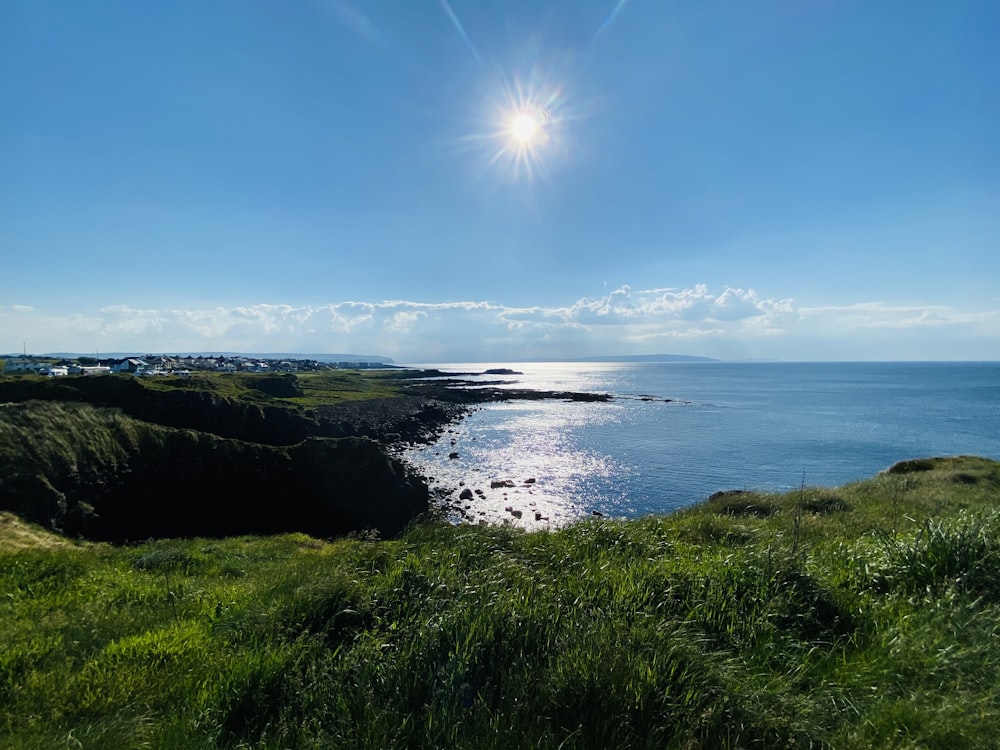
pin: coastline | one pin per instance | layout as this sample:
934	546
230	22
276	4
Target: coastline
504	498
118	459
720	426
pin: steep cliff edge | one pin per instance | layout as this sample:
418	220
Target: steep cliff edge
101	474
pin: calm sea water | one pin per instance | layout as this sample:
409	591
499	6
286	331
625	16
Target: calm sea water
766	426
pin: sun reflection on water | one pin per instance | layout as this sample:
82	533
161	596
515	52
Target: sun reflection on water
519	463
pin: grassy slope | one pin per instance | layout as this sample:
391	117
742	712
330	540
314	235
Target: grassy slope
320	388
860	617
304	390
17	535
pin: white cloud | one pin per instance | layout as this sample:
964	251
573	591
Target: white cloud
695	320
404	321
661	306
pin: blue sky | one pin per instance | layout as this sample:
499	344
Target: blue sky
767	179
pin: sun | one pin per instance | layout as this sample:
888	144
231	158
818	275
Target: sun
526	131
524	128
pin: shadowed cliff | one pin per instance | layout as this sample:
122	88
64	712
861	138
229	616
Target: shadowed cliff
104	475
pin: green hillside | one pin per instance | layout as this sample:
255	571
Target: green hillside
859	617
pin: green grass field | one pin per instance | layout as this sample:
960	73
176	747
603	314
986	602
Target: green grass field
303	389
306	389
866	616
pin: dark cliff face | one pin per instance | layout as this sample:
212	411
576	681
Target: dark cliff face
198	485
103	475
218	415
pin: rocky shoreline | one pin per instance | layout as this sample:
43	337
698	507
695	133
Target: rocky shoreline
429	406
477	498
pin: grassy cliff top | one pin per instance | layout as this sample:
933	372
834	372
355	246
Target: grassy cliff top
307	389
863	616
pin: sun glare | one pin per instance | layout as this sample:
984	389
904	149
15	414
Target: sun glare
524	128
526	134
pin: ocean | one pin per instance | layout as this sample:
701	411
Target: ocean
677	432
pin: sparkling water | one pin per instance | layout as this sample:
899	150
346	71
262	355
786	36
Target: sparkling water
766	426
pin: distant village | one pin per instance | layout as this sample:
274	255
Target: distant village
161	364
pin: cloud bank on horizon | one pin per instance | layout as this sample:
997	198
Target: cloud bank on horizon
729	324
